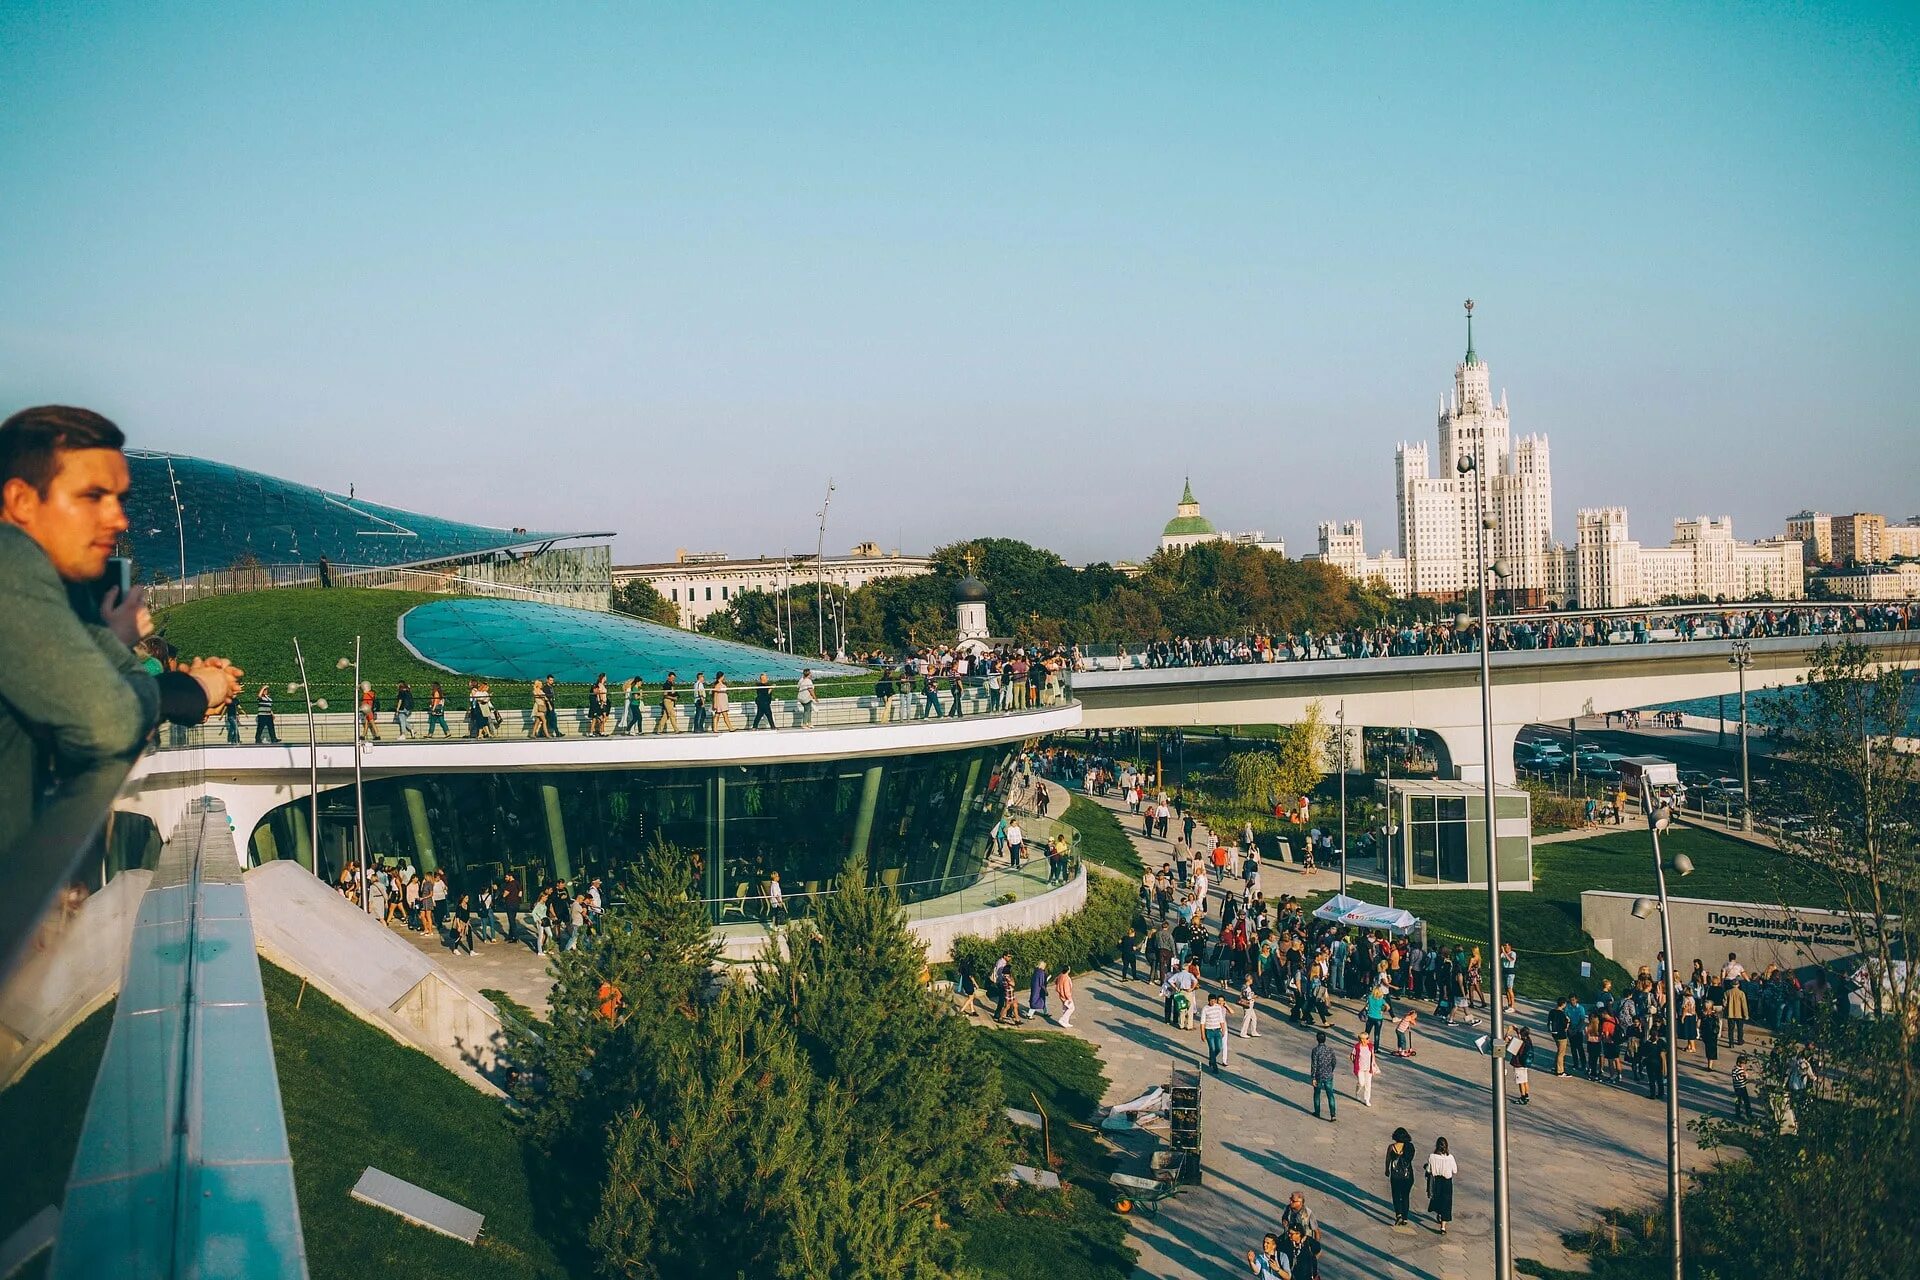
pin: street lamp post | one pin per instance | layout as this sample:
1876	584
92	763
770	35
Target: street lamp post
1343	797
180	522
1659	817
359	787
819	576
1740	660
313	763
1469	465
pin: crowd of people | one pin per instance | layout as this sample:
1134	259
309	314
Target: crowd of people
928	684
1546	631
504	911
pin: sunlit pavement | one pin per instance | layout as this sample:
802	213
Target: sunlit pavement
1577	1148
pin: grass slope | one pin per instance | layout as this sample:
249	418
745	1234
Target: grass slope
40	1118
1102	840
256	630
355	1097
1040	1235
1545	925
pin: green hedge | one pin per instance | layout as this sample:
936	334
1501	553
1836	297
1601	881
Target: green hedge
1084	939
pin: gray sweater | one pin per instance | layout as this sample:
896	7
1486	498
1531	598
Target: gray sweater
71	695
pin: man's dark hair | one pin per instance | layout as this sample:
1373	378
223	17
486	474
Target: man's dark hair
32	440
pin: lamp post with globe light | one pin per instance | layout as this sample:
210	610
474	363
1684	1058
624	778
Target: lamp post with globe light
313	761
1659	817
1471	466
1740	659
359	787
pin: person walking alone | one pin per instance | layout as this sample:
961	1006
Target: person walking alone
437	712
1213	1025
1320	1076
403	709
1063	987
1399	1171
369	711
1366	1065
805	696
1249	1013
1442	1169
762	704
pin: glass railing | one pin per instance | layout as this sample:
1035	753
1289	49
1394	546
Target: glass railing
331	725
49	856
1510	632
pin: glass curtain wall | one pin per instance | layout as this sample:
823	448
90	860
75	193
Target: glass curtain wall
1442	839
923	821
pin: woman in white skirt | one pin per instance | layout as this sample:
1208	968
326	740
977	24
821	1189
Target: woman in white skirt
1441	1170
1366	1065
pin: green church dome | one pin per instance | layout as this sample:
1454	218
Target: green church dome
1187	524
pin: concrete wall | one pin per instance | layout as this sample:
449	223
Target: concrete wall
1707	929
74	967
313	932
938	932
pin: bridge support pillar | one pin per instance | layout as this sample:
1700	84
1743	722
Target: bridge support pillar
1465	752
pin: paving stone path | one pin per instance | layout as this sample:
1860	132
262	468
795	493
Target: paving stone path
1576	1148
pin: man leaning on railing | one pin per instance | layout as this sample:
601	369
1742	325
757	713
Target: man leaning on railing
72	692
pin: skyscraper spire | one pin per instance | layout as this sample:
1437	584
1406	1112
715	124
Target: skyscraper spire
1471	358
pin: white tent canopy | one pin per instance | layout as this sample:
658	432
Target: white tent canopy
1342	909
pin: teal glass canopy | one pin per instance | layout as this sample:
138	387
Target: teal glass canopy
522	640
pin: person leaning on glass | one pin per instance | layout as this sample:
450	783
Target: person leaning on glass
72	693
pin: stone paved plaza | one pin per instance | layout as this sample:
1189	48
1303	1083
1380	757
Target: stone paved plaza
1576	1148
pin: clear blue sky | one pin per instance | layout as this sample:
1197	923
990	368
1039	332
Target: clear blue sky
997	268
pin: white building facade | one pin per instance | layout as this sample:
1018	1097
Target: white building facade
699	583
1344	546
1610	570
1436	499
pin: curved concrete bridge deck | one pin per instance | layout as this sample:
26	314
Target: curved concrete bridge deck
1441	692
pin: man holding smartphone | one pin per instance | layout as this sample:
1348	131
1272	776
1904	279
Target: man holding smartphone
72	692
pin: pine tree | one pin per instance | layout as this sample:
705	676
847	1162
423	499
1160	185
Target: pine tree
922	1092
733	1166
577	1070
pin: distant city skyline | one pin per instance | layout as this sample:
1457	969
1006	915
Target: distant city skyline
996	272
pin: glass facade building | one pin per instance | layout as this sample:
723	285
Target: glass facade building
923	821
1441	836
212	516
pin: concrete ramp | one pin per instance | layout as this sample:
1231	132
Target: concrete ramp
71	968
311	931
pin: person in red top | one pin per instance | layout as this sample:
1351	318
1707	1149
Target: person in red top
369	708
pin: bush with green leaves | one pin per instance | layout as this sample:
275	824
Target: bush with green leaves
1083	940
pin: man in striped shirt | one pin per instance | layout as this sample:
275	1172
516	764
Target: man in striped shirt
1742	1078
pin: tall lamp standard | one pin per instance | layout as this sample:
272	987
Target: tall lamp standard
359	787
1740	660
313	761
1659	818
819	576
1469	465
1343	797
